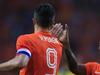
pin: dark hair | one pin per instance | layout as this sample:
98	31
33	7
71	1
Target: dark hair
44	14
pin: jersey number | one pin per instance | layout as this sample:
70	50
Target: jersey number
52	65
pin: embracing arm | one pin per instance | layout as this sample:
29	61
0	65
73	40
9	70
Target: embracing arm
17	62
63	36
73	64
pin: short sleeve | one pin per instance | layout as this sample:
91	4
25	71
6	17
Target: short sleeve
89	67
23	45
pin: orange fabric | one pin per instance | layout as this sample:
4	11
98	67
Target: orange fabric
38	43
93	68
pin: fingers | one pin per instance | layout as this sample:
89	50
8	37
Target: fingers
56	28
53	27
66	27
59	29
60	32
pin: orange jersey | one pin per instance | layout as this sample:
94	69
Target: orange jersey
93	68
45	53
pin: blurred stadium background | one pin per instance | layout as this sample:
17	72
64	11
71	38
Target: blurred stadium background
82	16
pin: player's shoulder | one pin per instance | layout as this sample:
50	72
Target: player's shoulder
24	37
91	64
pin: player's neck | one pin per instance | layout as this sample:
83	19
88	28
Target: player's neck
40	29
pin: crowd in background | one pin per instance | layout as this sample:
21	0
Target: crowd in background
82	17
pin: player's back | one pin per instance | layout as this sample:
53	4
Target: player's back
46	54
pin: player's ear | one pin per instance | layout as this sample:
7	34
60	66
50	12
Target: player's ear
53	19
33	20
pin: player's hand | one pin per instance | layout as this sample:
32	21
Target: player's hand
57	29
60	33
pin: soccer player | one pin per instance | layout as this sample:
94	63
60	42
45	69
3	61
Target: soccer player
38	53
90	68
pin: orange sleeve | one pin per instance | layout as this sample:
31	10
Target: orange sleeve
23	42
89	67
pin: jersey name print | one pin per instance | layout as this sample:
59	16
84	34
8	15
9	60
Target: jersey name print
49	39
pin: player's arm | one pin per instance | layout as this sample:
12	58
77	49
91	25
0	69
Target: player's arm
18	61
74	66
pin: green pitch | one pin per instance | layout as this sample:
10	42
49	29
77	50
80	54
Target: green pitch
65	73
